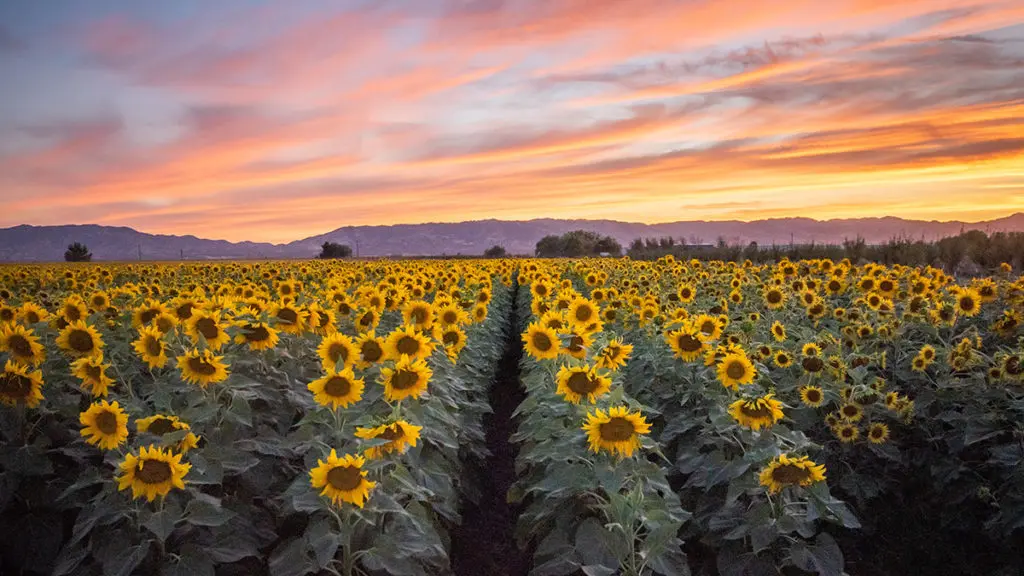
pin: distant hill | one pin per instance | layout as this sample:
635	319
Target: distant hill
42	243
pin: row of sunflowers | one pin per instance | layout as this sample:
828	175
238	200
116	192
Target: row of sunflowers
799	417
237	418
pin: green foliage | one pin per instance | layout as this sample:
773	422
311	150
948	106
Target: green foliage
77	252
577	243
334	250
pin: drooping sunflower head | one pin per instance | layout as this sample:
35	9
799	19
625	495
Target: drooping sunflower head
618	431
202	367
20	386
153	472
105	425
21	344
92	371
257	335
79	339
407	341
575	383
756	413
408	378
151	347
786	471
399	436
342	479
370	350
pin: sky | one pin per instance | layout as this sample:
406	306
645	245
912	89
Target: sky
275	121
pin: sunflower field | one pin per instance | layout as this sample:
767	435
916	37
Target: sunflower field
674	417
242	418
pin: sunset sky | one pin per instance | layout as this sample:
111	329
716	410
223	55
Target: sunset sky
273	121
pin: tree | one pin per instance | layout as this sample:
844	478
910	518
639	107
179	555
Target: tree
495	252
577	243
77	252
334	250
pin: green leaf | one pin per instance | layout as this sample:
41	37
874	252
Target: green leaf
592	544
124	563
290	559
671	562
230	546
205	510
192	561
826	555
323	541
69	559
598	570
161	523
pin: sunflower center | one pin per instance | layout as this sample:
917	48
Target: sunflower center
850	411
72	313
153	471
688	343
708	327
451	338
450	317
404	379
94	373
202	367
257	334
366	319
32	317
790	474
287	315
20	346
813	364
408	345
584	313
80	341
967	303
876	433
338	353
617	429
392	433
371	351
345	477
755	410
337	386
161	426
581	383
147	315
15	386
184	311
343	308
419	315
774	297
208	328
541	341
106	422
575	343
813	396
735	370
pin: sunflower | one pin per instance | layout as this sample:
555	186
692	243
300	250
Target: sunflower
541	341
709	326
165	322
582	312
452	337
686	293
810	350
18	385
782	359
93	373
851	412
757	413
578	382
577	343
479	313
407	341
204	325
257	335
919	364
202	368
105	425
774	298
151	347
399	435
154	472
79	339
451	314
337	352
337	389
418	314
408	378
342	479
617	431
370	350
878	433
161	424
778	331
687	343
968	302
791	471
735	369
22	345
812	396
614	355
73	309
289	318
846	432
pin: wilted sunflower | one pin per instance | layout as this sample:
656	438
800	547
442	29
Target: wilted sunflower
409	378
161	424
93	373
812	396
578	382
337	352
407	341
22	345
541	341
257	335
617	431
399	435
418	314
342	479
687	343
614	355
154	472
19	386
370	350
337	389
735	369
878	433
206	326
79	339
104	425
757	413
150	347
202	368
786	471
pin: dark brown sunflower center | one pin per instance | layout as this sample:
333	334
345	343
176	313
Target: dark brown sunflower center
877	433
161	426
343	308
813	396
153	471
345	477
685	293
153	346
32	317
408	345
584	313
418	315
774	297
966	303
541	341
93	372
790	474
184	311
15	385
813	364
708	327
106	422
287	315
609	315
404	379
257	334
147	315
392	433
735	370
451	338
98	302
850	411
617	429
371	351
72	313
366	319
755	410
337	386
80	341
202	367
208	328
338	353
450	317
581	383
847	432
20	346
687	343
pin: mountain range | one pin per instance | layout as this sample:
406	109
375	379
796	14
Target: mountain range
47	243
